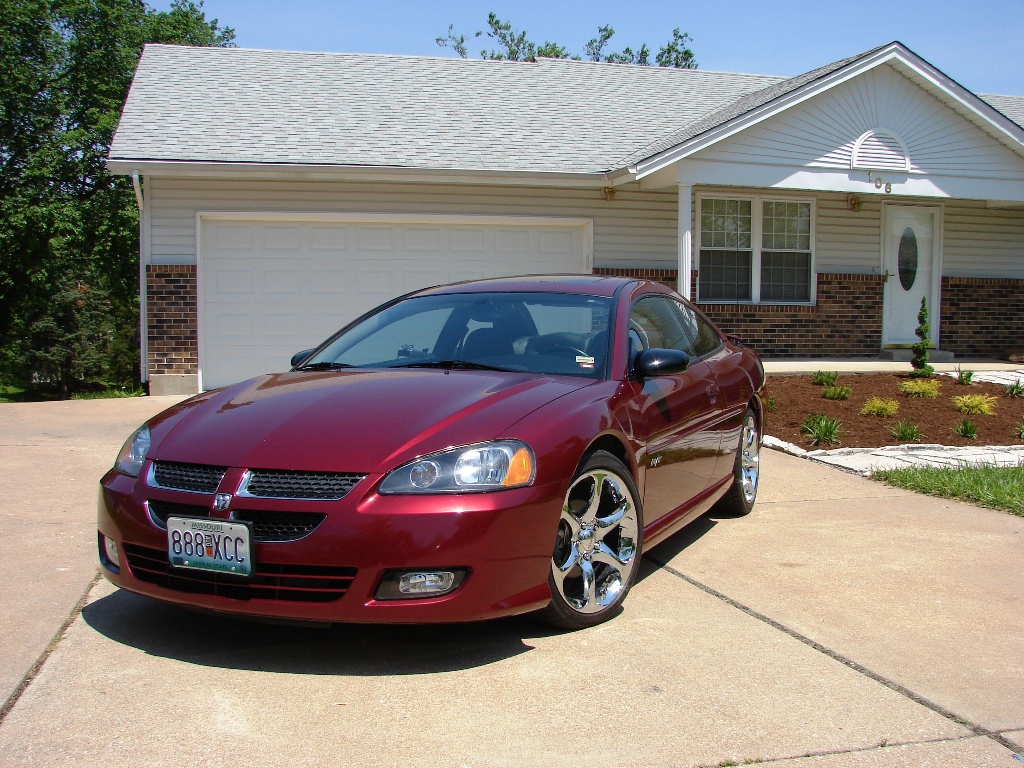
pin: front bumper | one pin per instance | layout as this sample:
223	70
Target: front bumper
502	539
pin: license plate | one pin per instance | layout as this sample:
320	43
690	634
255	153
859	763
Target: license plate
209	545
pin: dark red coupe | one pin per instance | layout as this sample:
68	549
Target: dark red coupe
460	453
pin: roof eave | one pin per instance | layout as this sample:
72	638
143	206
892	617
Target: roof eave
1010	134
326	172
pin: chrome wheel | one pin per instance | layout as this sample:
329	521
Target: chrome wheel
750	458
595	550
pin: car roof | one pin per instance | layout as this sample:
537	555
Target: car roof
590	285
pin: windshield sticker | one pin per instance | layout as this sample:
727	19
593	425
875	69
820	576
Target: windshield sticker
584	361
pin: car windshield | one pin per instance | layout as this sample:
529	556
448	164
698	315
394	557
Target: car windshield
552	333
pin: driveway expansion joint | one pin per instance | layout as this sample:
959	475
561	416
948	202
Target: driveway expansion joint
938	709
26	681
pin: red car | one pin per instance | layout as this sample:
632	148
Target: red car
460	453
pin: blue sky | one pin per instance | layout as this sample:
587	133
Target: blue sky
980	44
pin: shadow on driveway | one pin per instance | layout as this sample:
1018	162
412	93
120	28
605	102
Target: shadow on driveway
217	640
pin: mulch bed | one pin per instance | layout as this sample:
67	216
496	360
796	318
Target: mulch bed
796	398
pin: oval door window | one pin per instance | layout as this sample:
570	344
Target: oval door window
907	261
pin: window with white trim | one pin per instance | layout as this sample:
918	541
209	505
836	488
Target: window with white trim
733	269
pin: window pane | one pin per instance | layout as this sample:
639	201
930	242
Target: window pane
657	322
785	276
725	223
786	226
724	275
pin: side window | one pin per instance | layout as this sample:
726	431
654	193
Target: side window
703	338
658	322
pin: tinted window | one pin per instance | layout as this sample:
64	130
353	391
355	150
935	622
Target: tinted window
660	321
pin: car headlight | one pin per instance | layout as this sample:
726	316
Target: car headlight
133	452
481	467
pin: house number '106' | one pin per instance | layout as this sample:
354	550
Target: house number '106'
888	186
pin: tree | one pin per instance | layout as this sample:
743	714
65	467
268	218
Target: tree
922	370
68	228
514	45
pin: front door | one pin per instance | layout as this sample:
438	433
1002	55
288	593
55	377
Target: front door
911	261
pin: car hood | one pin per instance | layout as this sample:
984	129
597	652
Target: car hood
349	421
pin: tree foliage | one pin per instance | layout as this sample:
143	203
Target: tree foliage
68	228
515	45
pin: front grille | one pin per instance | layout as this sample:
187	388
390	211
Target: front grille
161	510
270	581
187	477
285	484
279	526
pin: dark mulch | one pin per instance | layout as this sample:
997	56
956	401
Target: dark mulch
796	397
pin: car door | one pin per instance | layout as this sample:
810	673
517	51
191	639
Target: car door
674	416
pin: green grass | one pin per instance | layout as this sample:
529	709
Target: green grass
109	393
995	487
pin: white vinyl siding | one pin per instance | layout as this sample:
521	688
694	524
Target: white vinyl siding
823	131
636	229
982	242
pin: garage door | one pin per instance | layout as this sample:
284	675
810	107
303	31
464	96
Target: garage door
269	287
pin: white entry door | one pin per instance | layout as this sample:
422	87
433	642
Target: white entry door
272	285
912	263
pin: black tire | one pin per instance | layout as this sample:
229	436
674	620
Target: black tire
596	555
740	498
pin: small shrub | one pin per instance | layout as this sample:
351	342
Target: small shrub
964	378
1015	390
975	405
920	362
966	428
825	378
906	431
821	429
836	393
769	404
879	406
920	388
1018	429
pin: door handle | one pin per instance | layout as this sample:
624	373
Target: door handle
888	274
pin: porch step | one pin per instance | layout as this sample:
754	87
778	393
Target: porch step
906	355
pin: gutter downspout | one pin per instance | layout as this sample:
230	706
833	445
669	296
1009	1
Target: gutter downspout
143	321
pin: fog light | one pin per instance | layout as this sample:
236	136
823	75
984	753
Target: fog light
406	585
109	554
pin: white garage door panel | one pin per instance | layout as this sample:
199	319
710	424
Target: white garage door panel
269	288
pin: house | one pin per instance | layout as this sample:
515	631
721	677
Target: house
285	193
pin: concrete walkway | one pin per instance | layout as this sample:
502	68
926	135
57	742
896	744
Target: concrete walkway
842	623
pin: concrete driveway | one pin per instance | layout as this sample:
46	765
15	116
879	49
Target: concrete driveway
842	623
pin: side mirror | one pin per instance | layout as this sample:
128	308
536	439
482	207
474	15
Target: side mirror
298	357
661	362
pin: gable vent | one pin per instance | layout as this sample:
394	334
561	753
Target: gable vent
880	151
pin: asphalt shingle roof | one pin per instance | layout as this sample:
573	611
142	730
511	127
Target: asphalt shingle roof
254	106
237	105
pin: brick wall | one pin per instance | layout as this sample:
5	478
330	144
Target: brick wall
171	319
982	316
845	322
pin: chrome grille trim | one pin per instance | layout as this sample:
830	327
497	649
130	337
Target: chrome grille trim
294	484
192	478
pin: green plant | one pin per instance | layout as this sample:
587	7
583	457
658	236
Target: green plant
920	360
821	429
906	431
964	378
966	428
769	403
825	378
1015	390
996	487
836	393
879	406
109	393
918	388
1018	429
975	405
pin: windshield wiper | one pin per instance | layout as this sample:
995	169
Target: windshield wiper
453	365
324	366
